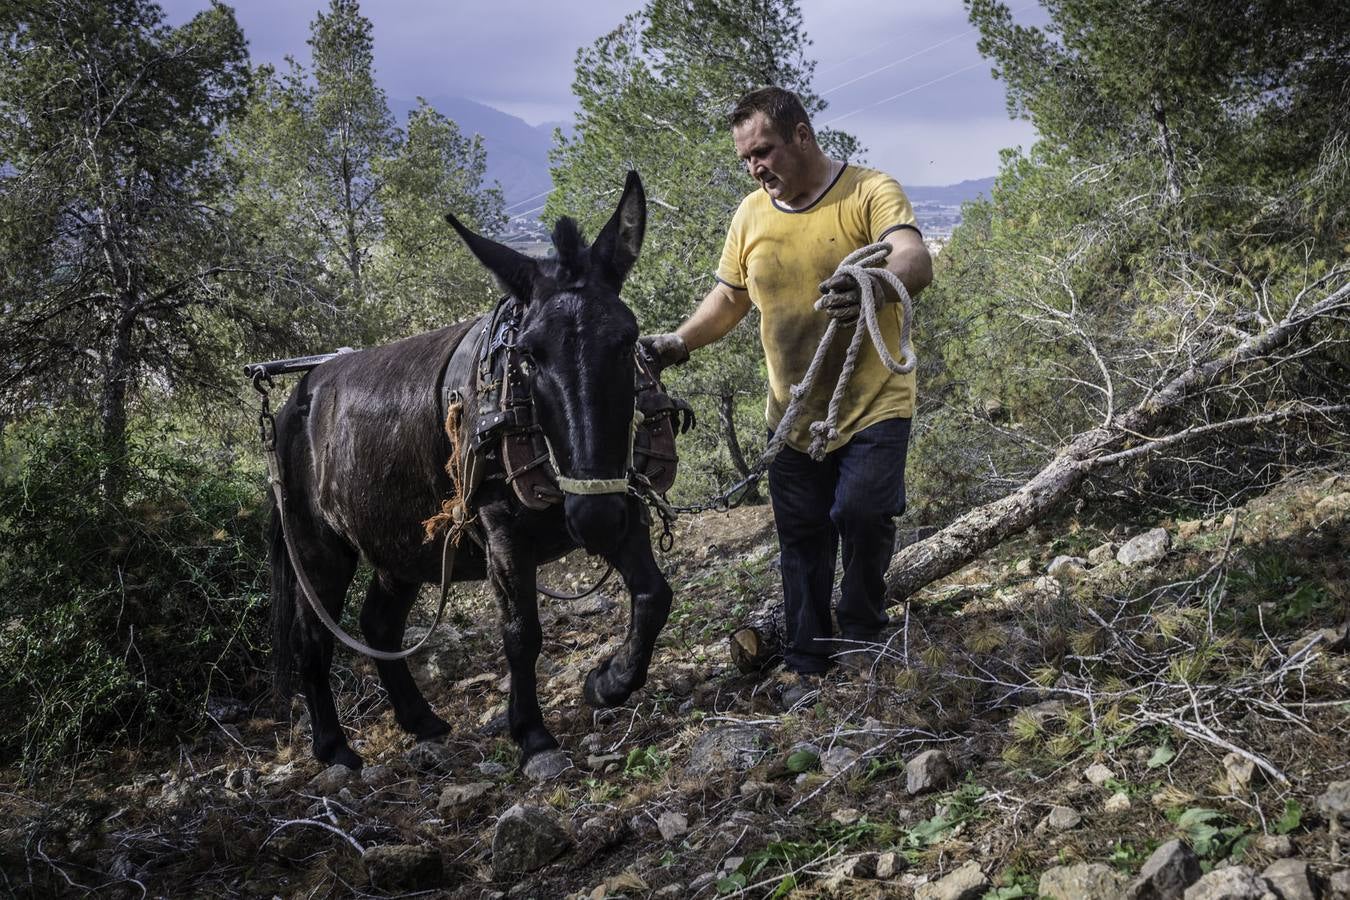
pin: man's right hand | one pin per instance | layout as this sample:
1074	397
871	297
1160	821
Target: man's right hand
663	350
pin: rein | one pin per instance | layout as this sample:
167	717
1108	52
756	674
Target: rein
267	427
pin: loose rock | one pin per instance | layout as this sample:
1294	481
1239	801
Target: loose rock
404	867
429	756
1083	881
1117	802
672	825
928	771
1098	774
1146	548
1291	879
1338	886
730	748
1232	883
1238	772
330	780
1166	874
457	799
1066	568
527	838
1276	846
965	883
837	759
1102	553
889	864
378	776
1062	818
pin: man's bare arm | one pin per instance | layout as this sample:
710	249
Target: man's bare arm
910	260
716	315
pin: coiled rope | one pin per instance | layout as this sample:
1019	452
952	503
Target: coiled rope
867	267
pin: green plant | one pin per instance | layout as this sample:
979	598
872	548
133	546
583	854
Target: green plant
121	616
1211	833
645	762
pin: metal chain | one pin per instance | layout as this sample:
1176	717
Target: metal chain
267	423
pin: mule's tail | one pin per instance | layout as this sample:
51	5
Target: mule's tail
283	611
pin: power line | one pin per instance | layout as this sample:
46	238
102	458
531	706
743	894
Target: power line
917	87
528	199
893	64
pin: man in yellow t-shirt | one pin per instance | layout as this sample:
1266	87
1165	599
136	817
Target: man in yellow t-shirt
784	243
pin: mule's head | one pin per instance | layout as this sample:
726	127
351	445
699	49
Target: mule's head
576	342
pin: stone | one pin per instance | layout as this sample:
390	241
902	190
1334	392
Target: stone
729	748
597	762
1328	640
527	838
1081	881
1117	802
429	756
378	776
492	768
1335	800
1098	774
701	882
837	759
242	779
405	867
889	864
456	799
928	771
671	892
1062	818
1231	883
330	780
1066	568
672	825
285	777
1024	567
1276	846
1166	874
846	816
1338	886
1102	553
1146	548
1238	772
965	883
226	710
1291	879
1189	528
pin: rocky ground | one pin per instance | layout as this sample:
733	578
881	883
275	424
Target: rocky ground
1136	709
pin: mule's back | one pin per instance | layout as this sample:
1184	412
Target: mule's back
363	441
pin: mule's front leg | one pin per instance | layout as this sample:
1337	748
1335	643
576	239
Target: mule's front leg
511	566
615	679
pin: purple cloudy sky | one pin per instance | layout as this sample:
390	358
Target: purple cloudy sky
905	78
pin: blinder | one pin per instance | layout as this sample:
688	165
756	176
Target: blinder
504	423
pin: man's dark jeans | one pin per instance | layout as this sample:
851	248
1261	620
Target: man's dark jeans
849	499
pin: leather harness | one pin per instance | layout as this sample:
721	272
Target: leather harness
499	430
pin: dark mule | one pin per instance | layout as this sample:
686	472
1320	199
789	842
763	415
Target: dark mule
362	455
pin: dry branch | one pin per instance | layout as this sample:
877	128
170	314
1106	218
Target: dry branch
759	642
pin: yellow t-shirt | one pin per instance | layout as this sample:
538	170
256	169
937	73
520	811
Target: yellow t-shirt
780	256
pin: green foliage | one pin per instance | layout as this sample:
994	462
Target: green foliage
802	761
646	763
1210	833
114	250
326	180
654	95
1291	819
1176	203
120	620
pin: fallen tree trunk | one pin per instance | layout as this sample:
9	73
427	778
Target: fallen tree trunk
759	642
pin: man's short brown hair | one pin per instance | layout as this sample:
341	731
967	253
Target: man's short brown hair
781	107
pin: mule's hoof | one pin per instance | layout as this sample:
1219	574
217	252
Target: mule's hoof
547	765
591	691
429	727
340	755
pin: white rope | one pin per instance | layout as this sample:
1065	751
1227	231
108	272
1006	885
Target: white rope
867	267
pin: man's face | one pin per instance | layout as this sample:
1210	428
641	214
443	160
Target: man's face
779	166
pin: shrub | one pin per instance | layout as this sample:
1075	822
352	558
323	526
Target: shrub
118	619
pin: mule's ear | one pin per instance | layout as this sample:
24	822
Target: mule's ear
617	245
514	270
